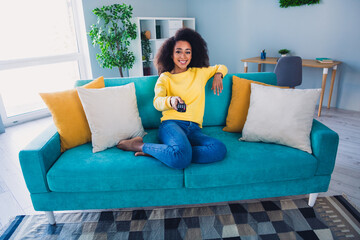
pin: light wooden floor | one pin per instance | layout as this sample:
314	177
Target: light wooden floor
15	200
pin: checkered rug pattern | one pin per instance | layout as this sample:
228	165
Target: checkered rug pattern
264	220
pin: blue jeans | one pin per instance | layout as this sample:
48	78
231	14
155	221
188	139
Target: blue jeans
184	143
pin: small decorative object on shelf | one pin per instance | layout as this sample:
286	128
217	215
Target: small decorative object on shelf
158	31
263	54
284	52
324	60
147	34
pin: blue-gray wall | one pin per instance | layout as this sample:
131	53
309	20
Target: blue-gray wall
237	29
142	8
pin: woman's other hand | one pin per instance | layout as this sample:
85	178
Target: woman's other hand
217	85
174	102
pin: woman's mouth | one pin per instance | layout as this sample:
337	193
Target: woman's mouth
183	61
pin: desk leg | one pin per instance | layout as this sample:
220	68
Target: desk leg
259	67
325	73
333	74
245	67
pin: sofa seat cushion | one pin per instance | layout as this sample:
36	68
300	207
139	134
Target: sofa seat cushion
250	162
80	170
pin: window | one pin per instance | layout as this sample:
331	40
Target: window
43	48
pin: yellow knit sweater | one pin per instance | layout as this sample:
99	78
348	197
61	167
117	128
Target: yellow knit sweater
190	87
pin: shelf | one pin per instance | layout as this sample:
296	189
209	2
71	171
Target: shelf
161	39
161	28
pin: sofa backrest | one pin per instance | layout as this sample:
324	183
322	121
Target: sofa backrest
216	107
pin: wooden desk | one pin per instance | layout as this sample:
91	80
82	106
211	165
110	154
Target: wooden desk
305	63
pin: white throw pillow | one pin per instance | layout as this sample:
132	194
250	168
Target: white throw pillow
112	115
282	116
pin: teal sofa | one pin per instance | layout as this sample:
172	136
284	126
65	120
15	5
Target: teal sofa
2	128
79	179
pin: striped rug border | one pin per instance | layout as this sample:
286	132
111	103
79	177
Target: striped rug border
334	213
12	227
353	211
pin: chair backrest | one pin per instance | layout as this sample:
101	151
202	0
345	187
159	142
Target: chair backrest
288	71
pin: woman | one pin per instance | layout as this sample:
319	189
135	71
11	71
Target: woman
183	66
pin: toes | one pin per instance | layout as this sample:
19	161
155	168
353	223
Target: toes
139	154
142	154
119	145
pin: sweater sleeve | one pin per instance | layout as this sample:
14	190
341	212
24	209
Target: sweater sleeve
210	71
161	100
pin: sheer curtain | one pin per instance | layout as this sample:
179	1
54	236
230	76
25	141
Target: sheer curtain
43	48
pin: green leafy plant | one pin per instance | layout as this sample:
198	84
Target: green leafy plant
294	3
284	51
146	49
112	34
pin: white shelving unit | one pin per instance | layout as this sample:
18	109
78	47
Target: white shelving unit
160	28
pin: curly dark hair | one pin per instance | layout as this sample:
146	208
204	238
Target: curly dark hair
163	60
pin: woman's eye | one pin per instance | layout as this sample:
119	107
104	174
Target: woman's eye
188	52
177	52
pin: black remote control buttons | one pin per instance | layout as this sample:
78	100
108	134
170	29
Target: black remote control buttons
181	107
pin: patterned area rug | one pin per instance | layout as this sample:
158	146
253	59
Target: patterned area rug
331	218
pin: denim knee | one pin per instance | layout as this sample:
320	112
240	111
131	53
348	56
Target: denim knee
181	157
222	150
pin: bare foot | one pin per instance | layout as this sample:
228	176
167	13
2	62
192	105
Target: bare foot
135	144
142	154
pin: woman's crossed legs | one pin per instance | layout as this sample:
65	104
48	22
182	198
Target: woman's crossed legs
182	143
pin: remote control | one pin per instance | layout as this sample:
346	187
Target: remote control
181	107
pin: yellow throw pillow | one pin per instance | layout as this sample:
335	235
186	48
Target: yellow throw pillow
69	116
239	105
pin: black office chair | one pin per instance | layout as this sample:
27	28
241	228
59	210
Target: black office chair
288	71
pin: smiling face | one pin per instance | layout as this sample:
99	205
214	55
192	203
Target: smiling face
181	56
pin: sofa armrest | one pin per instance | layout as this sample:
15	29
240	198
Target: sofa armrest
37	157
324	143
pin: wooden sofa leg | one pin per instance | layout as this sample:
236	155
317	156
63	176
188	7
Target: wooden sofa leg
50	216
312	199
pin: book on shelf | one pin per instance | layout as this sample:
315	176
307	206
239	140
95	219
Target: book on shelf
324	60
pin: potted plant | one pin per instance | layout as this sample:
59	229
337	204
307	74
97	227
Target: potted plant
112	34
283	52
146	51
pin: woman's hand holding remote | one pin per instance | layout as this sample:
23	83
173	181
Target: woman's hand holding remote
174	102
